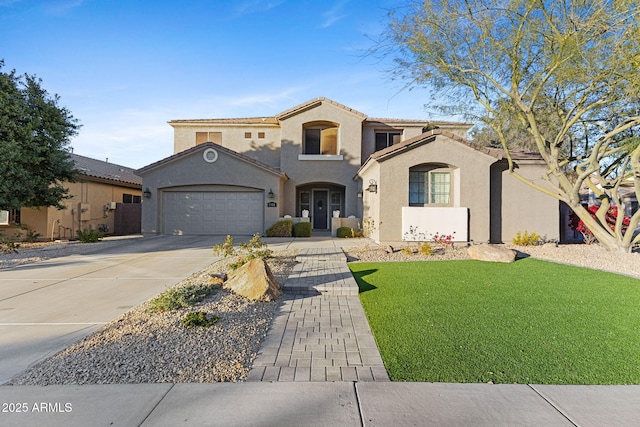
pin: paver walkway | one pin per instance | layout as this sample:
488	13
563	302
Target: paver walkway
320	332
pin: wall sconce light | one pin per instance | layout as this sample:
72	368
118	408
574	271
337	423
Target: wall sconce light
147	193
373	186
270	194
359	194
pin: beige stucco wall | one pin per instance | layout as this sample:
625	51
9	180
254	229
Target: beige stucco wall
525	208
339	172
94	196
371	202
265	150
471	186
191	173
408	129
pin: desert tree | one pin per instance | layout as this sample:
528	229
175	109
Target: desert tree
561	77
35	134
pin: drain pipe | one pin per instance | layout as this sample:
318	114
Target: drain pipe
55	221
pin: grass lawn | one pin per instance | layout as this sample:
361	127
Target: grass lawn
530	322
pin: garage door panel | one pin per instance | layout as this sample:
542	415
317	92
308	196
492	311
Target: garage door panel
213	212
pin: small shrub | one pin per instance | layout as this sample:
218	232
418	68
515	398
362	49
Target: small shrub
255	248
444	240
302	229
199	318
407	250
344	232
180	297
89	236
426	249
526	239
9	244
369	226
32	236
282	228
225	248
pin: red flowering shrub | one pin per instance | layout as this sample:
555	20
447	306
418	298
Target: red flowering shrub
612	214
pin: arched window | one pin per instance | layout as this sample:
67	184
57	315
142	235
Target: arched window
320	138
430	185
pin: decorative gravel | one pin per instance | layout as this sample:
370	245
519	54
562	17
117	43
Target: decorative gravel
143	347
590	256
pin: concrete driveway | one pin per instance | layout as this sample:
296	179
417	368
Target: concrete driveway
48	305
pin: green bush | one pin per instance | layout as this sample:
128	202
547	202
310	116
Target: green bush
345	232
282	228
302	229
199	318
89	236
180	297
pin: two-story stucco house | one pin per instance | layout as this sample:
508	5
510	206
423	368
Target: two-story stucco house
328	164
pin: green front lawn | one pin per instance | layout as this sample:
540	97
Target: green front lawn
527	322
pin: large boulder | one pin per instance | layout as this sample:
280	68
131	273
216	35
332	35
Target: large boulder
491	253
255	281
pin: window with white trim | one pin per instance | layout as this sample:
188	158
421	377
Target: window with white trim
430	187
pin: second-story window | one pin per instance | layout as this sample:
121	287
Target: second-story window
202	137
320	138
386	139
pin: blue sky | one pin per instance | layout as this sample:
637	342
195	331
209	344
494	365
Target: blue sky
126	67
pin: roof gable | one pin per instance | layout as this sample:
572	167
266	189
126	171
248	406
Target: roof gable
220	148
316	103
428	137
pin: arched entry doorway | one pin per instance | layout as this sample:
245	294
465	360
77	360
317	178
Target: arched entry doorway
320	199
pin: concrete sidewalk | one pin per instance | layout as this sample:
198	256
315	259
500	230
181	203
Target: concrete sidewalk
320	404
284	389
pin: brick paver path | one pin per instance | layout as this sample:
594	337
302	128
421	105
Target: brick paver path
320	332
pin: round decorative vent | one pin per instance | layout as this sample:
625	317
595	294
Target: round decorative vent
210	155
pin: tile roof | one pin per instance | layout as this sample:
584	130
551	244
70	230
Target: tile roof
314	103
431	136
105	170
240	121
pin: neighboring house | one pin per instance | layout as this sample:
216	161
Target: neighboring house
239	176
105	197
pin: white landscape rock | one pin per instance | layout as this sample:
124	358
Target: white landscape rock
491	253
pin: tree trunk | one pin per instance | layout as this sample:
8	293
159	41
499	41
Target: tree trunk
606	237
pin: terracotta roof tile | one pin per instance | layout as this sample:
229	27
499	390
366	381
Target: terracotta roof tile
312	104
240	121
431	136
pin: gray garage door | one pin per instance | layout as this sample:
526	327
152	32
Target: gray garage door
213	212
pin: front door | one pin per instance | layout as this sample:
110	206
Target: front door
320	209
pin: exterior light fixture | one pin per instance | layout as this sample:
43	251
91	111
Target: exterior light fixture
147	193
359	194
270	194
373	186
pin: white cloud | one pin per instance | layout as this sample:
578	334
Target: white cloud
333	15
61	7
255	6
